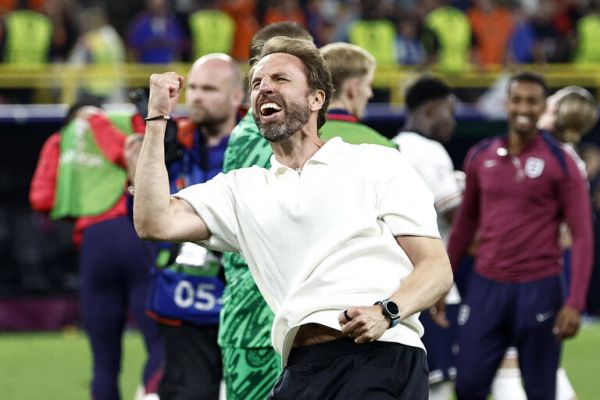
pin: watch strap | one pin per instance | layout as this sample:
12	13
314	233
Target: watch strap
394	318
158	117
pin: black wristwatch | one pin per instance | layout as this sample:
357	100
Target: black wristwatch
390	309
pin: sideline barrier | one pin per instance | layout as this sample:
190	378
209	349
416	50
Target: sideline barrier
59	83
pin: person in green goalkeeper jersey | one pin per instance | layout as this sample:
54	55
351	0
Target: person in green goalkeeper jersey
250	364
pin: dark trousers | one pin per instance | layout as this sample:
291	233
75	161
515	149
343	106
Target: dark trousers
193	367
440	343
115	276
342	369
496	315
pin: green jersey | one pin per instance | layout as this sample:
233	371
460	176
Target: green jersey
245	317
87	183
353	132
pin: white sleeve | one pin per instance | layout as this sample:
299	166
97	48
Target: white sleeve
438	173
214	202
405	203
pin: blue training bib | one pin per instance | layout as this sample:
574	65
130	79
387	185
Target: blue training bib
189	289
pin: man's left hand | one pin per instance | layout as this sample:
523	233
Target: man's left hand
567	323
438	313
367	324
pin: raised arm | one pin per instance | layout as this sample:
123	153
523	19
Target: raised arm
156	214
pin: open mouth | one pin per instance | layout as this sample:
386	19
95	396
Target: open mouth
522	119
268	109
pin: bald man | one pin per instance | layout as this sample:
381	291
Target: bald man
188	284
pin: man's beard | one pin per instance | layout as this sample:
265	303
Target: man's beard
523	130
205	118
296	117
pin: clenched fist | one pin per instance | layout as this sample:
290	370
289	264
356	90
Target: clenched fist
164	93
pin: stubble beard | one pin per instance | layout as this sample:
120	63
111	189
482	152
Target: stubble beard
204	118
524	131
296	117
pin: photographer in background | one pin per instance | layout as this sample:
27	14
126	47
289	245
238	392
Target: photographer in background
188	283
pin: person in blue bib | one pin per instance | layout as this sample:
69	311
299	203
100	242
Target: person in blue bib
187	289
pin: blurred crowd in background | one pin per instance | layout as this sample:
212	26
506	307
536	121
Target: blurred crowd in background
451	34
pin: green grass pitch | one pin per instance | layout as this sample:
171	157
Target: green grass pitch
56	366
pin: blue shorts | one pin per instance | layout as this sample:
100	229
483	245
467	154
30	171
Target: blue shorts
495	315
441	345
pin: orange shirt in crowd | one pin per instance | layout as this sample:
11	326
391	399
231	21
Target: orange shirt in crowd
243	13
286	10
491	31
9	5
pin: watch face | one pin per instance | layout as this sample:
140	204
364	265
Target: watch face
392	308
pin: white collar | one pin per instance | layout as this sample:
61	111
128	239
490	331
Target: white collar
325	155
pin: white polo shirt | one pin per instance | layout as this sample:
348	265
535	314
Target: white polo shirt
434	165
321	241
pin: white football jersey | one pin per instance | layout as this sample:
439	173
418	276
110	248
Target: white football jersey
434	165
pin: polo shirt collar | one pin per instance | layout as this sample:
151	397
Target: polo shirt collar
502	144
325	155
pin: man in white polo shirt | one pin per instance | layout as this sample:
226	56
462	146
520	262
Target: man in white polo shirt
341	239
